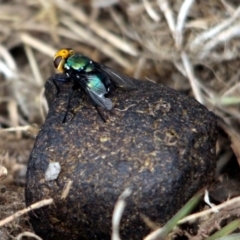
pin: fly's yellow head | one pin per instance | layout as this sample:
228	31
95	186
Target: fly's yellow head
61	57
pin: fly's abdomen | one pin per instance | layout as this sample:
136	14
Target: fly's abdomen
96	85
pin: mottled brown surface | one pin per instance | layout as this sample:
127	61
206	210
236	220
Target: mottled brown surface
162	146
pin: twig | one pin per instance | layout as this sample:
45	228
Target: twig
224	36
234	88
19	213
228	7
163	4
96	28
125	109
182	15
117	213
37	44
191	77
213	31
66	189
27	234
208	202
178	41
34	66
180	68
94	41
29	128
162	233
150	10
103	3
9	74
194	216
13	115
3	173
9	60
61	31
141	63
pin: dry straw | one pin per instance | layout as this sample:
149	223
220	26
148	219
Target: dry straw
195	42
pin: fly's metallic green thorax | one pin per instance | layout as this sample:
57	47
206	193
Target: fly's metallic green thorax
79	63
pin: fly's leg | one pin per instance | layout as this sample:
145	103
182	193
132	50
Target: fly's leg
56	86
100	114
70	96
59	78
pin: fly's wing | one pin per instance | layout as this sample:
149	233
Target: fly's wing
96	90
100	101
119	79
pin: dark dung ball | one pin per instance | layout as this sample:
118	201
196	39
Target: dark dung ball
156	141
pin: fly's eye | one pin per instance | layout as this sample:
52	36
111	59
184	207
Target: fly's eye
57	62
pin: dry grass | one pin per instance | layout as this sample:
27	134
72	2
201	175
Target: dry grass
192	46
